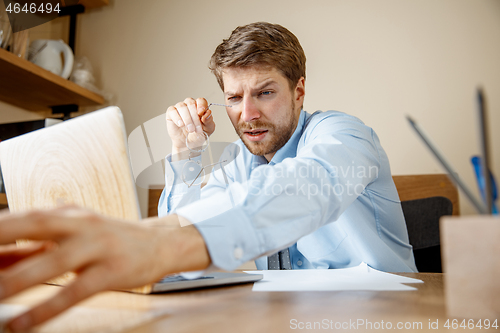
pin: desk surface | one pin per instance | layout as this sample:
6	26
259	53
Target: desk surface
238	309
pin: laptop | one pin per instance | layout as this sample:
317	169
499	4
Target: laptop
84	161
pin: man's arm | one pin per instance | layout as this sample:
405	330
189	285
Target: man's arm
279	204
106	254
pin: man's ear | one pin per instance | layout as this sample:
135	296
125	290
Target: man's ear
300	91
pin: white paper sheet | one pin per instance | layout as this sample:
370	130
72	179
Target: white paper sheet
361	277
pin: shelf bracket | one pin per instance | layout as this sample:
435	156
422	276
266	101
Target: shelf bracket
65	110
72	11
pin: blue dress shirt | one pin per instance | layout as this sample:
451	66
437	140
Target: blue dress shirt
327	195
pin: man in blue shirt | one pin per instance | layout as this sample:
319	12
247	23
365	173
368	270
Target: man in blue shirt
319	185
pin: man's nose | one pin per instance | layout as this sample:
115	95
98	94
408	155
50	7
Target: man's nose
250	111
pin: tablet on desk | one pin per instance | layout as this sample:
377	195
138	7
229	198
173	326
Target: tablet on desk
84	161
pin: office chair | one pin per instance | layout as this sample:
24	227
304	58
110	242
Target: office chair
422	215
422	221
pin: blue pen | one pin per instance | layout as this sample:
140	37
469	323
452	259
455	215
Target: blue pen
476	162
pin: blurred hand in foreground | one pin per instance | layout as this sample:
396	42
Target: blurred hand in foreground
105	254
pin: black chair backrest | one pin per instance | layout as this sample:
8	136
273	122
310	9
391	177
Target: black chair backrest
422	221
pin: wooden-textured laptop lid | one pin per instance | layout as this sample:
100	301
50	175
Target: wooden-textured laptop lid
82	161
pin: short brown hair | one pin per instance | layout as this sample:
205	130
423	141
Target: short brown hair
261	43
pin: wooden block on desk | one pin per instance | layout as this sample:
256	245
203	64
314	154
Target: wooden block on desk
471	261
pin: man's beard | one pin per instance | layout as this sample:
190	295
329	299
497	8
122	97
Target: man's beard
277	136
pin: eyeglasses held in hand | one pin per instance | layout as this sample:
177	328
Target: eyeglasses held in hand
193	172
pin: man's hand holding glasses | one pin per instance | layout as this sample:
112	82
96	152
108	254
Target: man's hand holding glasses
187	117
189	124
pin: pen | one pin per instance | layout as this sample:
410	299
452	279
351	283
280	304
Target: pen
476	162
480	207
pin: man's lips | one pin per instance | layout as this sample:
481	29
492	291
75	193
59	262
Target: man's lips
255	131
255	134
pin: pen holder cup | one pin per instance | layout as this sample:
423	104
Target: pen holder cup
470	248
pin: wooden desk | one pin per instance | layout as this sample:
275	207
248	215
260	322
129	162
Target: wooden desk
238	309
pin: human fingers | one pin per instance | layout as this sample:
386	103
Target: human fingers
187	113
208	122
71	255
13	249
202	106
4	212
89	282
173	115
36	225
175	127
192	116
50	224
11	254
206	118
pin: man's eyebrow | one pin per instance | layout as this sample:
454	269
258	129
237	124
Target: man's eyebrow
263	85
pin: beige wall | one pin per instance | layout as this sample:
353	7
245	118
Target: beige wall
378	60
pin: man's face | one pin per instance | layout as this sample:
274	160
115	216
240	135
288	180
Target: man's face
264	111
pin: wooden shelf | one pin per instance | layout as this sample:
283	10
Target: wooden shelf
33	88
3	199
94	3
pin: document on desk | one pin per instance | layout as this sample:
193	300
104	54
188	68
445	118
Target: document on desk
361	277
